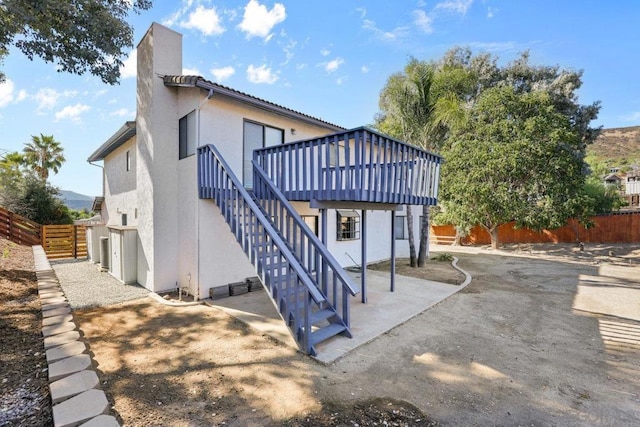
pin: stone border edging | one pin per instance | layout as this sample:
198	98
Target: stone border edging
467	276
73	382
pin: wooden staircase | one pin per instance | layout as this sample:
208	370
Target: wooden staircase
307	285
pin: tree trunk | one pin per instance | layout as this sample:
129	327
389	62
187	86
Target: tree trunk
423	254
493	231
412	241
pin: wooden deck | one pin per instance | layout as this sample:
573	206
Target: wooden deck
357	165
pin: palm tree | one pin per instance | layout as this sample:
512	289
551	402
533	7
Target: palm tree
44	154
408	107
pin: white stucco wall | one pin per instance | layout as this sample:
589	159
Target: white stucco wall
159	53
120	186
183	240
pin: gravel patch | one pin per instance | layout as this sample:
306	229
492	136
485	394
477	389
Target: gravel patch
86	286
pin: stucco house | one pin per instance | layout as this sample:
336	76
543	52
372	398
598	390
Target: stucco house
209	186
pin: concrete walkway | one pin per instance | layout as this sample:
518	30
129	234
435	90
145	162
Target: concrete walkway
384	311
74	385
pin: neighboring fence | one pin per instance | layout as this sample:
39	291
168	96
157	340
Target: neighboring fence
58	241
619	227
19	229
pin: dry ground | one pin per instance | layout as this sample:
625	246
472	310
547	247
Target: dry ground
542	336
513	348
24	388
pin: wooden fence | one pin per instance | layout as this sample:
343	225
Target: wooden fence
58	241
64	241
19	229
619	227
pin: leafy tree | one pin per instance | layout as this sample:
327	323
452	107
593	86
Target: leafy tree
23	182
44	154
515	158
78	35
33	198
407	106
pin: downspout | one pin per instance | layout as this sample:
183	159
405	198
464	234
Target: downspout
101	167
204	101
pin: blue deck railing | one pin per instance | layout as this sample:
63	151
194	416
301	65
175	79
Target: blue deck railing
355	165
312	254
291	281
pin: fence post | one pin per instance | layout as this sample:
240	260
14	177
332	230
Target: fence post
74	236
11	237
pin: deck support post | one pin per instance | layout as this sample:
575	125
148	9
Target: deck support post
393	251
363	268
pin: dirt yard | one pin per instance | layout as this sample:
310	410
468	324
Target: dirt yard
544	335
24	388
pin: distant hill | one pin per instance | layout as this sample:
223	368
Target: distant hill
618	147
75	200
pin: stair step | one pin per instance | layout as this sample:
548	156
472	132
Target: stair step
326	332
321	315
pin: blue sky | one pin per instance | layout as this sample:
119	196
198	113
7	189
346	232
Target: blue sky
326	58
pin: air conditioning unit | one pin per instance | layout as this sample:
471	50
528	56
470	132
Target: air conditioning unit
104	253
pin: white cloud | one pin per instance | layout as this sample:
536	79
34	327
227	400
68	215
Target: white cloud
289	51
178	14
341	80
333	65
72	112
261	74
490	12
395	34
300	67
362	11
456	6
205	20
6	93
496	46
324	51
130	65
220	74
22	95
122	112
46	98
364	69
423	21
258	21
191	72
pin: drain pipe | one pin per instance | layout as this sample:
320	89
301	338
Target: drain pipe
197	293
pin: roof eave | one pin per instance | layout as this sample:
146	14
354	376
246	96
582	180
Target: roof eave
200	82
122	135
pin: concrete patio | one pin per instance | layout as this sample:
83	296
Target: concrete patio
384	311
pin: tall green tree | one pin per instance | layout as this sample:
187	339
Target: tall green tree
77	35
516	158
407	105
44	154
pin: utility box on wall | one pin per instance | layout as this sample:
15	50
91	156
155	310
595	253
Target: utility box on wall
124	253
94	233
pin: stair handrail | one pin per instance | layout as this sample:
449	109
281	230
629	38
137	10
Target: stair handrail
302	274
345	279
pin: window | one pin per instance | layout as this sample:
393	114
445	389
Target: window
348	225
401	228
257	136
187	135
124	219
128	160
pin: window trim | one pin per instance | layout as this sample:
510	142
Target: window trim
405	231
264	140
347	235
184	153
